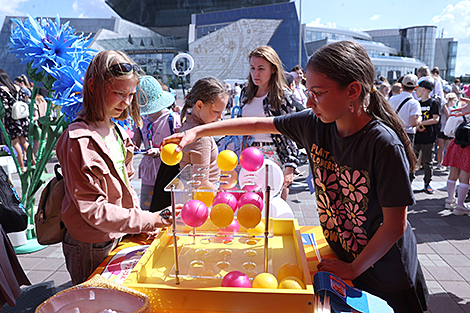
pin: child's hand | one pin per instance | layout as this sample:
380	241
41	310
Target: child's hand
153	152
181	139
341	269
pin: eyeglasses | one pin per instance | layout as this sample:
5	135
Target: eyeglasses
124	69
314	95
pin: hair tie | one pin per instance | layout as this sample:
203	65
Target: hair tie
373	89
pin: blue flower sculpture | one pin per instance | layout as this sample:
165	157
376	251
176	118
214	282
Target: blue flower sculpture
47	46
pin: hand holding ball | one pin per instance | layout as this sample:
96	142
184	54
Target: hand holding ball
169	156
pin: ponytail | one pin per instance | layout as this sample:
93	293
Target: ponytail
380	109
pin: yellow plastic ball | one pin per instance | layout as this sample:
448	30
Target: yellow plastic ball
205	196
227	160
291	282
265	280
289	269
221	215
169	156
249	216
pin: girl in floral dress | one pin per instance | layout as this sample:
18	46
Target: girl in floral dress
360	157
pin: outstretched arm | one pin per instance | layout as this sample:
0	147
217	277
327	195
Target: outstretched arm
235	126
392	228
464	110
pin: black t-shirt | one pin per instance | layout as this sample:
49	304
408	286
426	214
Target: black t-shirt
429	108
354	178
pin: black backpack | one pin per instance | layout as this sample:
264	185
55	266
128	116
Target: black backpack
462	134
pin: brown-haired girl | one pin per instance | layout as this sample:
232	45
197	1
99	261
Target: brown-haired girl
267	95
203	105
100	204
360	157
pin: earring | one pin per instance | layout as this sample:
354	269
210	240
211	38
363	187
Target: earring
351	108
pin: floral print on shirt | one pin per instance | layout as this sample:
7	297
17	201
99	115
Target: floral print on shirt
342	201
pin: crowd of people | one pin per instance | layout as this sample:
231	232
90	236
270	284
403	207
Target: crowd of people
364	139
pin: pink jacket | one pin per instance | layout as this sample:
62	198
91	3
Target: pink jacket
98	205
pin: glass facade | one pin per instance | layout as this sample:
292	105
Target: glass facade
420	43
451	60
285	40
171	13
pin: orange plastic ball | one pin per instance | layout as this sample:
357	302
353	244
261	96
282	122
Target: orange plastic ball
227	160
169	156
204	194
221	215
265	280
289	269
291	282
249	216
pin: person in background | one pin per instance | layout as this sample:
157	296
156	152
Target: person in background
268	95
204	104
158	123
17	129
456	88
299	89
100	205
384	89
397	88
407	108
427	131
19	81
236	95
360	157
444	141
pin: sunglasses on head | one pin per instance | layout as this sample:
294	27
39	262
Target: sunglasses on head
125	68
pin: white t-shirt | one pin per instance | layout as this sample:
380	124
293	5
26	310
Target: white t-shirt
411	107
255	109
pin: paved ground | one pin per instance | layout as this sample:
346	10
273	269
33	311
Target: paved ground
443	243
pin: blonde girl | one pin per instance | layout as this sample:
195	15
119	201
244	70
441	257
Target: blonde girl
100	204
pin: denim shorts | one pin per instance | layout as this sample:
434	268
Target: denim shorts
83	258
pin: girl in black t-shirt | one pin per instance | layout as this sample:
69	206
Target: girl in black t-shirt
360	157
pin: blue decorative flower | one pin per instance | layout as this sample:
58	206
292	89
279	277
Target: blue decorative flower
69	84
44	43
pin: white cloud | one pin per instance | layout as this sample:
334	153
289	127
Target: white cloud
8	7
317	23
375	17
75	6
454	22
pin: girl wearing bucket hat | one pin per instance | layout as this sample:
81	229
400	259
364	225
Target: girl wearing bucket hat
158	122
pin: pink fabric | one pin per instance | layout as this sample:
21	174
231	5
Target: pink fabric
457	157
98	205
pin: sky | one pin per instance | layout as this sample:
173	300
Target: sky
452	17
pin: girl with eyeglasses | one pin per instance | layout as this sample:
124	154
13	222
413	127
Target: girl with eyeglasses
100	205
360	157
267	95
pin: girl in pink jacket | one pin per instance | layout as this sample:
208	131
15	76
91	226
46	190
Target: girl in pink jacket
100	204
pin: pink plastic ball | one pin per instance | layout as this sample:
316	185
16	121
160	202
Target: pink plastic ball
194	213
251	159
231	229
251	198
227	198
236	279
254	188
233	191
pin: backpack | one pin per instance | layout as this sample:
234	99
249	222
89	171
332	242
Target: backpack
19	109
48	222
462	134
13	216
